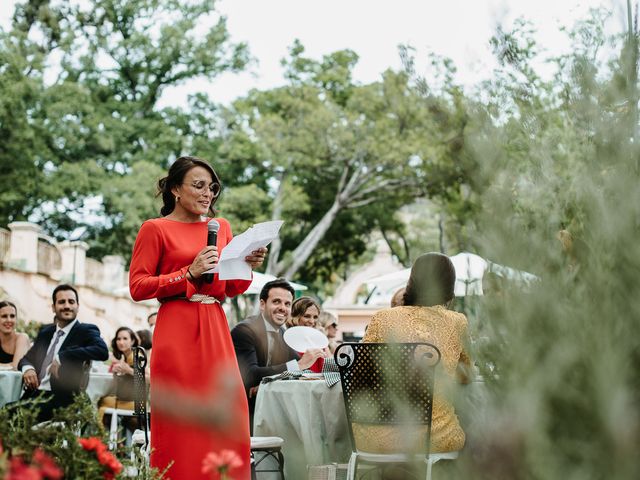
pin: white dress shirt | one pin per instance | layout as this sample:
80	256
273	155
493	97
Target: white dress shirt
46	381
292	365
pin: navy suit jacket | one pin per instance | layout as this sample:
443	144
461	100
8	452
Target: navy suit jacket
81	345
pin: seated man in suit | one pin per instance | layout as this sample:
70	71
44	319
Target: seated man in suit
56	366
258	341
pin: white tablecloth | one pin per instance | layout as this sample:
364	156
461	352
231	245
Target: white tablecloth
311	419
10	386
99	385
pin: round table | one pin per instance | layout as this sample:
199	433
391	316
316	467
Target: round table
10	386
311	419
99	386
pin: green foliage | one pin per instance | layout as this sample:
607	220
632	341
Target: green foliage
93	129
243	206
561	359
30	328
60	440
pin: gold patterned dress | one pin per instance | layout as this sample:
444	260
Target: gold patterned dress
447	330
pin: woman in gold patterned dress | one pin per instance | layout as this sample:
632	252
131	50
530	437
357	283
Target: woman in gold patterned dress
424	317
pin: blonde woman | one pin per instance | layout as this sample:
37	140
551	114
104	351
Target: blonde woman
328	324
304	313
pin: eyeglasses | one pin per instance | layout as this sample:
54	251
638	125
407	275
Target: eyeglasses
201	186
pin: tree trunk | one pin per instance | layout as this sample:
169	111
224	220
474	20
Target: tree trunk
310	242
441	233
276	245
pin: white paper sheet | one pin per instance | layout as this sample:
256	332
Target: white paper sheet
231	265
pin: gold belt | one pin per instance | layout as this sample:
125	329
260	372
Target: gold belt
204	299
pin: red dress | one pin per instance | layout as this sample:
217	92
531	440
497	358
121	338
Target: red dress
193	365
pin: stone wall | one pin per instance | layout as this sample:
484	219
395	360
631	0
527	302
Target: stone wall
32	265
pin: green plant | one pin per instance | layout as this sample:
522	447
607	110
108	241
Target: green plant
74	438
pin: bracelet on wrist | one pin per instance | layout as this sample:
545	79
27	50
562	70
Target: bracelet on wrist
190	275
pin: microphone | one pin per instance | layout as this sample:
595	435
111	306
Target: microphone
212	239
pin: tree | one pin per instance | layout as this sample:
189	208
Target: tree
343	155
82	134
561	359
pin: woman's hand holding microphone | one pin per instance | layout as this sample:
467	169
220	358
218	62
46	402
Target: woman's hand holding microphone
206	259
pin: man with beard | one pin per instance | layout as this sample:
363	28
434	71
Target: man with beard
56	368
258	341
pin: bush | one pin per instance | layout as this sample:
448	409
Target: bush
85	457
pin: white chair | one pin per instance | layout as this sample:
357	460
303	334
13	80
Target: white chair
141	441
113	430
396	458
270	447
140	400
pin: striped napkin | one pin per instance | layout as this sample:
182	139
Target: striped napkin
330	372
286	375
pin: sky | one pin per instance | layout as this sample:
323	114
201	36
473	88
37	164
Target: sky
459	29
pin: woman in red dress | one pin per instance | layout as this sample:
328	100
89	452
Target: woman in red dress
194	370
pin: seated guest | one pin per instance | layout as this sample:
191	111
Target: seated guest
304	313
151	320
328	324
398	298
56	367
424	317
121	395
13	345
146	341
260	349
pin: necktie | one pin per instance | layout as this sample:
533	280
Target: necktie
49	358
273	338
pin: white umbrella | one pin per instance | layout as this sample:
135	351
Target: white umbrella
259	279
470	269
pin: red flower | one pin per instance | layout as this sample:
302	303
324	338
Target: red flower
18	470
92	443
221	463
48	468
103	455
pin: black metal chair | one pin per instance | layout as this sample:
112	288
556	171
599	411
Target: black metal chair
140	390
389	384
139	399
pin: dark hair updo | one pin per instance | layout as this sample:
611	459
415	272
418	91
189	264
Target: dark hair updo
175	177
